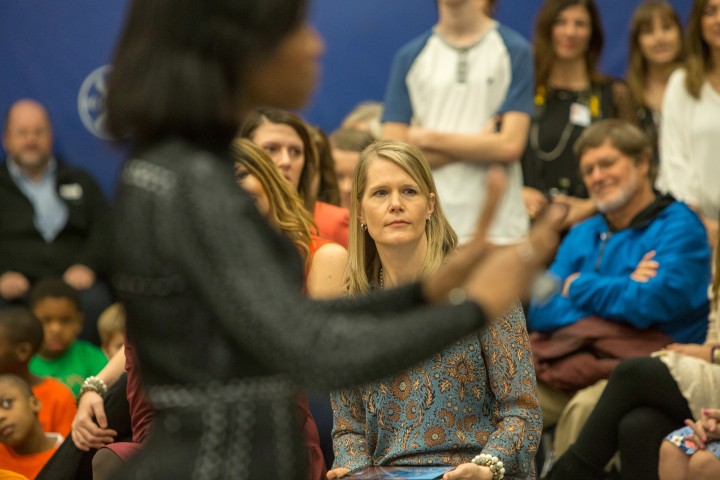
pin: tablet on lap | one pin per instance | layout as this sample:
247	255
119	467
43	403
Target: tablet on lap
397	473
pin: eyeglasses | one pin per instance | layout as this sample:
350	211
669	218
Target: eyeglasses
601	165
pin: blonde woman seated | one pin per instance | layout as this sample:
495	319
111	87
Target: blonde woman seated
476	396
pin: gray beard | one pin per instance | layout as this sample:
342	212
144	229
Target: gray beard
625	195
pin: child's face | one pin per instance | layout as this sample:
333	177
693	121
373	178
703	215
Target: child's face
61	323
18	414
114	343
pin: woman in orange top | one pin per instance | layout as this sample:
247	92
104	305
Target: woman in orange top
288	141
325	261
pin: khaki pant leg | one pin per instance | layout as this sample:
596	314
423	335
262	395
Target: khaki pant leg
552	403
575	415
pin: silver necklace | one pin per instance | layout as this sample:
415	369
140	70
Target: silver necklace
382	284
559	148
564	136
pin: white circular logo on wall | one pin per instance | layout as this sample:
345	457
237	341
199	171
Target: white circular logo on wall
91	102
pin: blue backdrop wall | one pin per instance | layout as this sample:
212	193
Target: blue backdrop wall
58	53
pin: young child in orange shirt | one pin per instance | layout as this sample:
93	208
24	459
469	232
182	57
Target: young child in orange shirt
29	448
21	336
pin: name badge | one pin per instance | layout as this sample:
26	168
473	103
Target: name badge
71	191
580	115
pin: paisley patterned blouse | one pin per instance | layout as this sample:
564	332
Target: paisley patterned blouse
477	395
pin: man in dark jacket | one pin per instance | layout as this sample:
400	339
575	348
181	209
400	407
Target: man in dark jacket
54	219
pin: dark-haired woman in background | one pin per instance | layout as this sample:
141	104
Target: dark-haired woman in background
570	94
288	139
656	50
326	182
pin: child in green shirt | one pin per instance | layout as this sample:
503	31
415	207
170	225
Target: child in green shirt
62	355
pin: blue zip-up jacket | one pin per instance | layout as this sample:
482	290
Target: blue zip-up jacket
674	301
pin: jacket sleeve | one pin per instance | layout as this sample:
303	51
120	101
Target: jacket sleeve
557	311
511	376
349	425
246	285
678	289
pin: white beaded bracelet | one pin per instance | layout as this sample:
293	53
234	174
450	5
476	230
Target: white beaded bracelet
494	463
92	384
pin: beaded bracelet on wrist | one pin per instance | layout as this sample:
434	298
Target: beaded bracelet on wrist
92	384
493	463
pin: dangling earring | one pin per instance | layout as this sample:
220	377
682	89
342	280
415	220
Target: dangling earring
363	226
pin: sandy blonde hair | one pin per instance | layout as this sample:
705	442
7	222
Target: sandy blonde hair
363	260
365	116
110	322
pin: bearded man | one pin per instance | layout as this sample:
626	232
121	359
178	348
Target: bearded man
643	261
